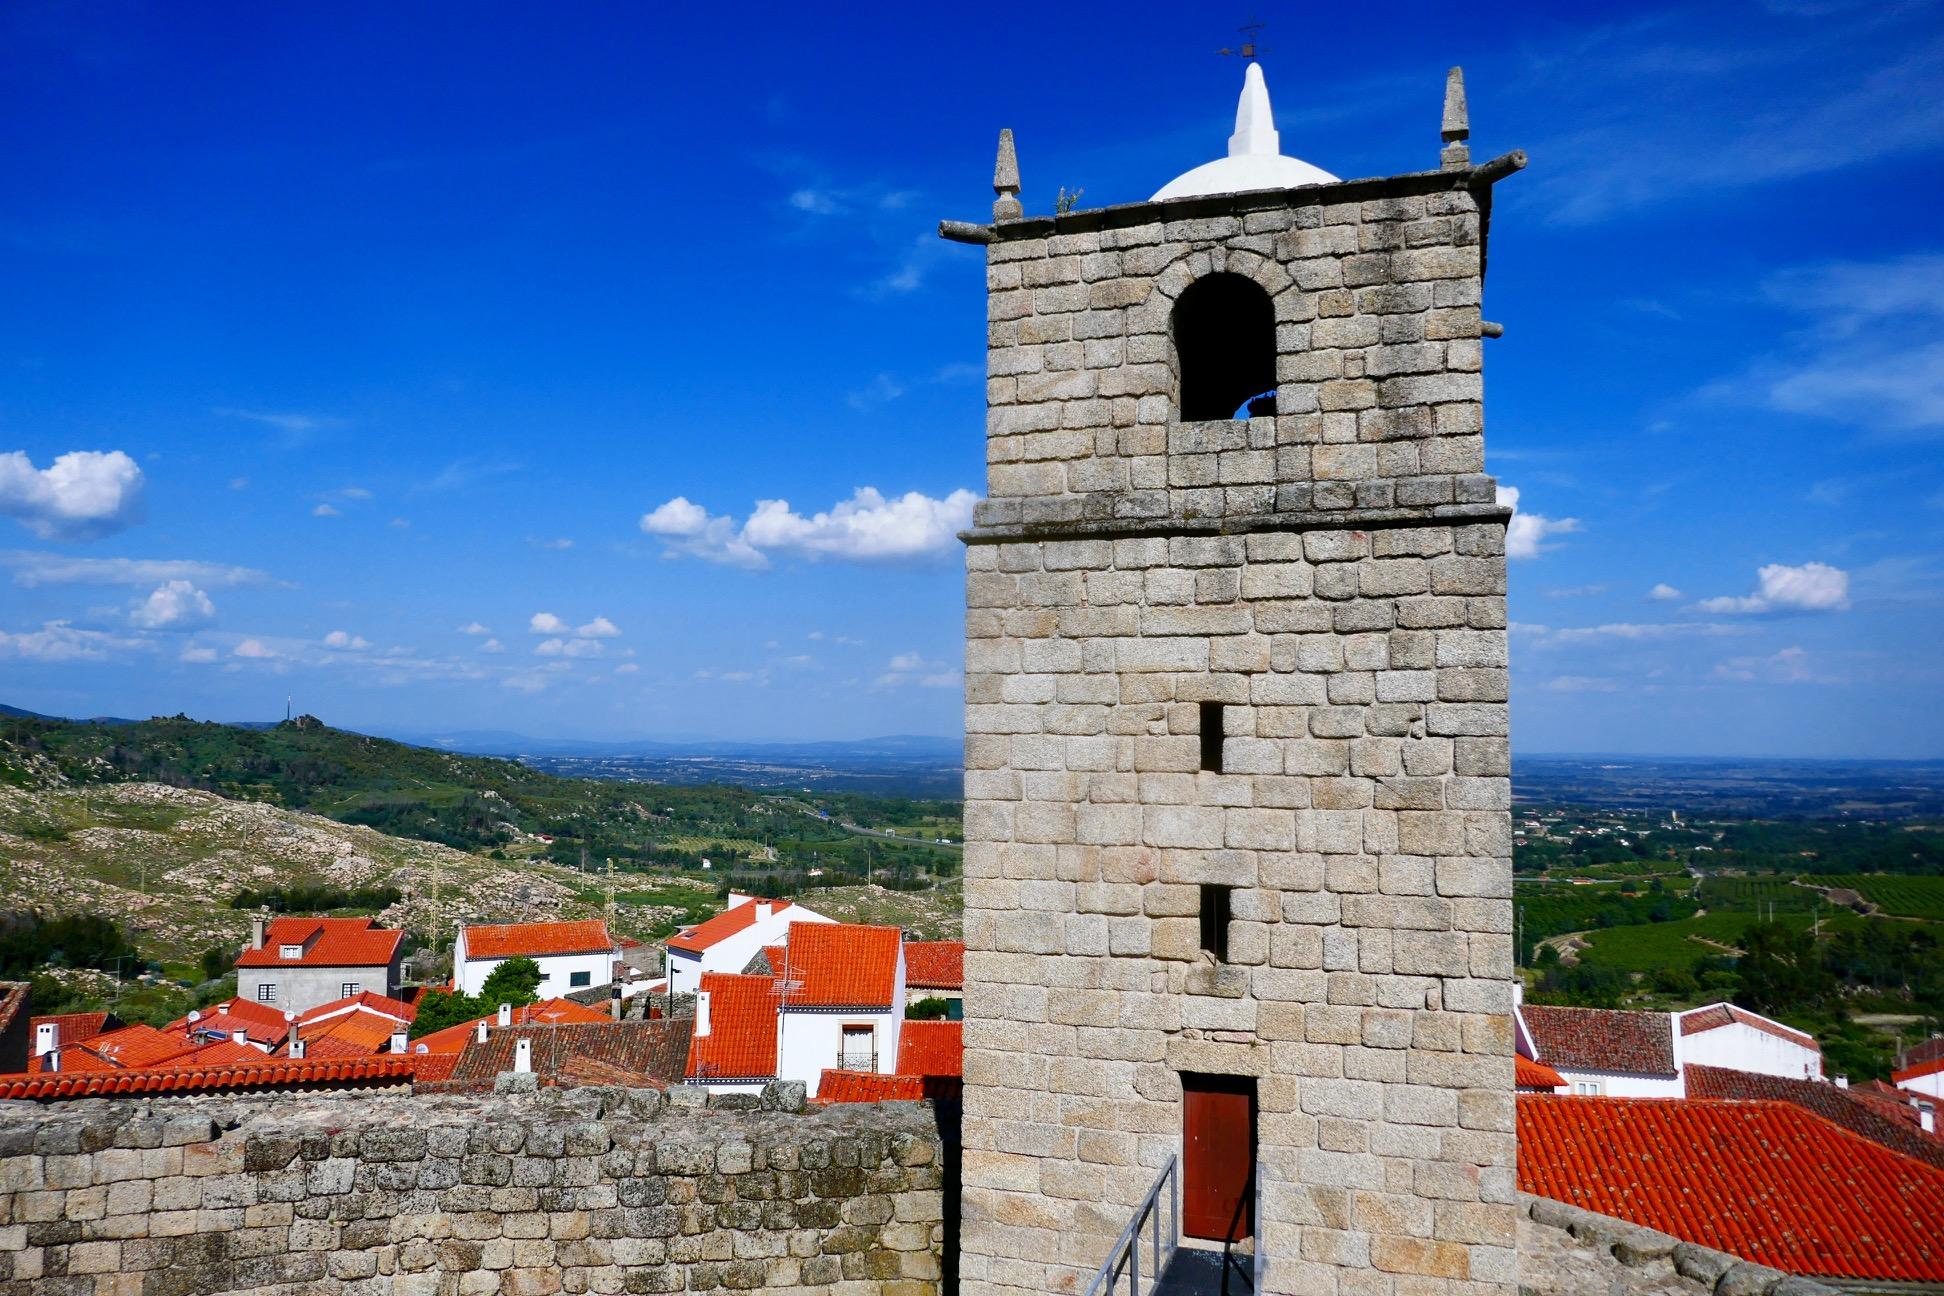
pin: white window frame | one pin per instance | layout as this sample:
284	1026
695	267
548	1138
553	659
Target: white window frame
290	951
348	988
1588	1088
847	1058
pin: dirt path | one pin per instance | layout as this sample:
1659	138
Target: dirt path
1569	945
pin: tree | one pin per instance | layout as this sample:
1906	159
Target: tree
217	961
439	1009
930	1008
1781	970
516	982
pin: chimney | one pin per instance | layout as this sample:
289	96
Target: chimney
522	1055
398	1040
480	1035
256	931
52	1062
763	910
614	1003
701	1013
297	1047
505	1015
1927	1119
47	1039
1842	1082
243	1035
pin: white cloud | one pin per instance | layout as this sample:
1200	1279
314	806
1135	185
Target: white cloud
599	628
546	623
59	641
1620	631
295	429
626	668
907	662
345	641
82	495
1526	532
1811	587
32	567
912	668
174	605
867	527
492	646
254	649
474	628
1664	592
325	511
1791	665
1580	684
881	390
197	653
818	202
569	648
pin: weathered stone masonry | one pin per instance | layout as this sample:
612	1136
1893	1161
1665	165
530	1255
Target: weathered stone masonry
593	1190
1335	575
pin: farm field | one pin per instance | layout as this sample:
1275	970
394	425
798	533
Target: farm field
1759	895
1653	946
1902	895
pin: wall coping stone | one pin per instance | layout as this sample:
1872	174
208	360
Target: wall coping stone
1637	1246
1239	524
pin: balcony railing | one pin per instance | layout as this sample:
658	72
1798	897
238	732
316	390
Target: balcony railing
1125	1258
856	1060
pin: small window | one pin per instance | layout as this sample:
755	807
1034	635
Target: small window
580	978
290	951
1215	920
266	992
858	1051
1211	737
1587	1088
1225	346
348	989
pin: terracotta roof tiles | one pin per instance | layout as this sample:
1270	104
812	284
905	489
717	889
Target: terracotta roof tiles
1715	1016
741	1043
538	940
867	1086
1602	1039
931	1048
269	1073
1918	1071
1767	1181
650	1052
547	1012
935	965
841	965
77	1027
326	942
724	925
1528	1074
1892	1124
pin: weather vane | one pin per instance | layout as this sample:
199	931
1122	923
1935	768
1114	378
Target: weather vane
1249	48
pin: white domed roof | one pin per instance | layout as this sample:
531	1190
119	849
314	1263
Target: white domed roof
1254	160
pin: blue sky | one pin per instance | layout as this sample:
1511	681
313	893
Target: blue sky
431	366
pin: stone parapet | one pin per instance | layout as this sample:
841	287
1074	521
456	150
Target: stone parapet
1567	1251
587	1190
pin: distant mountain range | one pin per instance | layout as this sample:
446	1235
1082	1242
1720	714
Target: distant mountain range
496	742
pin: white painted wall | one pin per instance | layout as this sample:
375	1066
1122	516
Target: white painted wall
1620	1084
1931	1086
556	972
732	953
1740	1047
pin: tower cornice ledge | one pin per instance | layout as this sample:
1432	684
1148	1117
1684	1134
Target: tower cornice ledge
1124	215
1243	524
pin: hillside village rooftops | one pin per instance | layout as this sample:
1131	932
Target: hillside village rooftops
1766	1181
129	1049
263	1073
1715	1016
841	965
1888	1121
538	940
74	1028
737	918
1602	1039
324	942
383	1005
547	1012
638	1053
935	965
740	1043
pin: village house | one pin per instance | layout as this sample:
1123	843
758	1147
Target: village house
295	964
726	942
1617	1053
572	955
936	970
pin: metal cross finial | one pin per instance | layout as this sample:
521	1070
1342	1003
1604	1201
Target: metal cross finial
1249	47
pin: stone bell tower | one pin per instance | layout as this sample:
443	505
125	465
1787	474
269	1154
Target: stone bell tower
1238	842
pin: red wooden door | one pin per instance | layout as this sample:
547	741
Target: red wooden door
1218	1156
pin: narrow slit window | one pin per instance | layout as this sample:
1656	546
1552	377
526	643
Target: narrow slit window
1215	920
1211	737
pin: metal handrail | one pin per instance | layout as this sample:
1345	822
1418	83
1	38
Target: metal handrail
1125	1258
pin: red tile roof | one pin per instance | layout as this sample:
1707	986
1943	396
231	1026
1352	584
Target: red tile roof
722	926
268	1073
935	965
358	1033
260	1017
1891	1123
1715	1016
547	1012
76	1027
841	965
1528	1074
1918	1071
931	1048
131	1048
741	1043
537	940
1767	1181
651	1053
867	1086
384	1005
1602	1039
1930	1050
328	942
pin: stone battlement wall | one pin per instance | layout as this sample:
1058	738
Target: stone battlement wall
587	1190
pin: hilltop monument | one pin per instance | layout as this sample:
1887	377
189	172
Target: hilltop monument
1238	842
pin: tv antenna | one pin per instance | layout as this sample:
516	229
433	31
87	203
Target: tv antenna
1249	48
